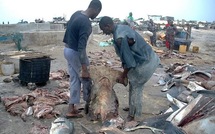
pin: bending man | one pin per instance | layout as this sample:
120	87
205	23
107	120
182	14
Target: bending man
138	59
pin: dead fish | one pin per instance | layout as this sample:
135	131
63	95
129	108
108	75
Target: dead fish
202	126
159	122
62	125
169	110
169	84
86	130
207	93
194	87
202	109
185	96
176	102
111	130
104	103
178	115
208	84
175	68
41	110
185	75
117	122
178	69
161	81
208	75
144	127
103	130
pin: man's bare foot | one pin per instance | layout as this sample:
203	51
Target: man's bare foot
74	115
72	109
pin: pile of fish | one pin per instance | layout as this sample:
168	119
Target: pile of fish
39	103
104	58
62	77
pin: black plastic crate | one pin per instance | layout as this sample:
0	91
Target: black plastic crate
34	70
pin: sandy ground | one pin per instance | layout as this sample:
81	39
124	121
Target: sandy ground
154	100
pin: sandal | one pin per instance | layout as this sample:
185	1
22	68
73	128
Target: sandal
75	111
72	115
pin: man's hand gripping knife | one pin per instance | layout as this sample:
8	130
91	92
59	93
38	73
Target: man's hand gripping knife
85	71
87	85
123	79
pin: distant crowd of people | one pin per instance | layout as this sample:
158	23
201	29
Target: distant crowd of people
7	22
170	28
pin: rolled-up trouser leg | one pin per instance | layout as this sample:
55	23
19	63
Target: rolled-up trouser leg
75	88
74	68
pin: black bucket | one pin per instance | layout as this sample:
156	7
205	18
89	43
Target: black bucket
34	70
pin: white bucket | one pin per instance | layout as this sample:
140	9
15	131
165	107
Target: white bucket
7	68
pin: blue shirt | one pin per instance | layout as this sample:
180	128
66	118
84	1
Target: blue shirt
78	30
131	55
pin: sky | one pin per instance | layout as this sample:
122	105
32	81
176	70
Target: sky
29	10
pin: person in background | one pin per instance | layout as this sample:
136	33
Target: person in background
130	20
130	16
171	30
152	28
77	33
138	59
